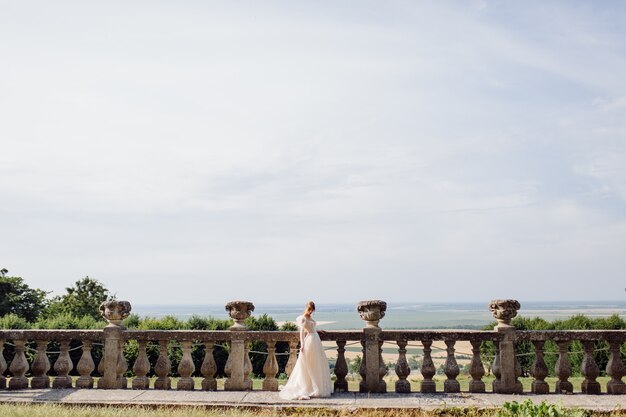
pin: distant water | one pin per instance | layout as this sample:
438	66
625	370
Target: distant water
399	315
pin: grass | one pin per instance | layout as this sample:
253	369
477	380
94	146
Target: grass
57	410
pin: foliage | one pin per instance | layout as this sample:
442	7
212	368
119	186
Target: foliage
525	350
83	299
529	409
16	297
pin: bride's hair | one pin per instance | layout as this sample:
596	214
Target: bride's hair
310	307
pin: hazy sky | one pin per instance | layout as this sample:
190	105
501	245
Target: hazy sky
279	151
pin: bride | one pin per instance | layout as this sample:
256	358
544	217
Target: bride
310	376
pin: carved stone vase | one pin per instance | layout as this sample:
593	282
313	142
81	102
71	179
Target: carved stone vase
115	311
239	311
371	311
504	311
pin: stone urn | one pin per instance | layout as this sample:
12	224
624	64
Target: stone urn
504	311
371	311
239	311
115	311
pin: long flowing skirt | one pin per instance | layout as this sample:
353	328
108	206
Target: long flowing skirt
310	376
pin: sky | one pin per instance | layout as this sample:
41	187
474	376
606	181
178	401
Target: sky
281	151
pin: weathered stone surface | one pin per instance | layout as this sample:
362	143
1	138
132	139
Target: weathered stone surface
115	311
239	311
372	311
504	310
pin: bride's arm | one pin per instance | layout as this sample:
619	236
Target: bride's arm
302	336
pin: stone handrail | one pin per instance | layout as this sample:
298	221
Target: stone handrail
112	367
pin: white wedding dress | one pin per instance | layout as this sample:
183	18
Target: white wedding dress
310	376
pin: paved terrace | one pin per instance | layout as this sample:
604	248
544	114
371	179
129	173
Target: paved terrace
268	399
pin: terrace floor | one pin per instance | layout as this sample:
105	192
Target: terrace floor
266	399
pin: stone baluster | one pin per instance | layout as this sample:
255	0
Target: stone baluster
100	369
495	368
504	311
63	366
382	370
477	370
40	367
402	369
341	368
539	370
85	366
428	369
293	357
163	368
122	367
451	369
372	311
19	367
562	369
209	368
141	367
247	367
590	370
114	312
615	369
363	369
185	369
238	365
3	366
270	368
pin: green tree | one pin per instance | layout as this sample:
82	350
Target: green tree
16	297
83	299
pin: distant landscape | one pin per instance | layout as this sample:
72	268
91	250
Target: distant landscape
473	315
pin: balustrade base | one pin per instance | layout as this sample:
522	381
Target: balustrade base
82	382
185	384
616	387
122	383
403	386
62	382
163	383
451	386
341	386
40	382
141	383
3	382
477	386
270	384
539	387
428	387
590	387
564	387
17	382
209	385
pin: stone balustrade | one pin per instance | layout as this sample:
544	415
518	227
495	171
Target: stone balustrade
113	372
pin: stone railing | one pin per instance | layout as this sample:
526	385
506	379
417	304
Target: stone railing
112	366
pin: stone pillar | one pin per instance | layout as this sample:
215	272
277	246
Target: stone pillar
85	366
402	369
186	368
428	386
209	368
504	311
63	366
590	370
341	368
539	370
236	365
372	311
477	370
40	367
141	367
19	367
3	366
270	368
113	312
563	370
615	369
